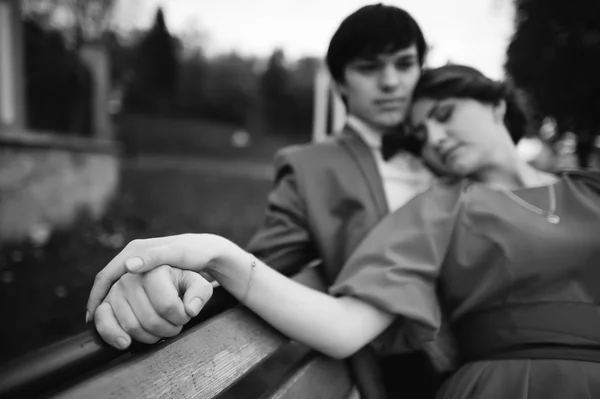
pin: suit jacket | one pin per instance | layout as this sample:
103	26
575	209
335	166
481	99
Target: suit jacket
326	198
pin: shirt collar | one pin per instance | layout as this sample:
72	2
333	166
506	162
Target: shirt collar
369	135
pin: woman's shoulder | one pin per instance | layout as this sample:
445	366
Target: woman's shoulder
443	197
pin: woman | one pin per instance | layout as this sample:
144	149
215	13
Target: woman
506	252
509	254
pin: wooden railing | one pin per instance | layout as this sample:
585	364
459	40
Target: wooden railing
226	352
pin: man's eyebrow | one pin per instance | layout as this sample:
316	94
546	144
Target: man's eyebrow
400	58
407	56
383	58
365	59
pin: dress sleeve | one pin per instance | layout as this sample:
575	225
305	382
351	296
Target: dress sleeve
396	266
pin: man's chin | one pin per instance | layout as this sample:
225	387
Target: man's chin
390	121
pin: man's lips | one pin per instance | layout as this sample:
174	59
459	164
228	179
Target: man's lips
390	102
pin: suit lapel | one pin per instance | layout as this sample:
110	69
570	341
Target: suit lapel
363	156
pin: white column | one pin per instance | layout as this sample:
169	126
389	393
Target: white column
96	59
338	109
11	67
321	99
328	106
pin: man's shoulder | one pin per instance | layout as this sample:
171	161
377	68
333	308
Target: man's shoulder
320	153
330	144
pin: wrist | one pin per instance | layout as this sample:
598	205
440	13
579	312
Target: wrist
226	258
232	268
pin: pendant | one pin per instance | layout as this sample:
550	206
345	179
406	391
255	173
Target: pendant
552	218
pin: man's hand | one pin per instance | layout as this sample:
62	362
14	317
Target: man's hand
150	306
184	251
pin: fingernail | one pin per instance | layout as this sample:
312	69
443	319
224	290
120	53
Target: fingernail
87	317
122	343
134	264
195	306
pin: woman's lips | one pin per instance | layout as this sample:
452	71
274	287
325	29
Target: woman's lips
448	152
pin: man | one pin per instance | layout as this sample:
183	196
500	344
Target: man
327	196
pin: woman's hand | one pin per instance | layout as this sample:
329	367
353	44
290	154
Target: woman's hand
186	251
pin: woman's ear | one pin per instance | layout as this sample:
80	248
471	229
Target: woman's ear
500	111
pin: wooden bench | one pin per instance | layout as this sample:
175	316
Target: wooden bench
228	353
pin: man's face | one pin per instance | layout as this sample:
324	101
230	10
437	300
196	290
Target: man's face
379	90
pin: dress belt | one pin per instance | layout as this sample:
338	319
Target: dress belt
551	330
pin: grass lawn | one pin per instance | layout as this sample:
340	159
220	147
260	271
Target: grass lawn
43	289
160	135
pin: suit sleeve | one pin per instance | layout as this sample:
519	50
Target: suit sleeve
284	241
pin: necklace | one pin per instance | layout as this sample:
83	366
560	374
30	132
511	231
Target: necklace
550	214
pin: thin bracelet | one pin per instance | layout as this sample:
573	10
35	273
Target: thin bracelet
250	279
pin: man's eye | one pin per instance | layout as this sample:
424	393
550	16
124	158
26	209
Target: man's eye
403	66
367	67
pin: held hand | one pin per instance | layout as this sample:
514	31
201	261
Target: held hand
186	251
147	307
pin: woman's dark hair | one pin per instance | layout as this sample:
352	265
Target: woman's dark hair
461	81
372	30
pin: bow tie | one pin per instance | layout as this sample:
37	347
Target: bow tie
409	139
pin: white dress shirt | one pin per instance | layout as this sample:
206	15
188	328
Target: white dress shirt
404	176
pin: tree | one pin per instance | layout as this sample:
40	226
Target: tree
275	90
302	95
287	91
155	71
555	56
80	21
58	85
223	88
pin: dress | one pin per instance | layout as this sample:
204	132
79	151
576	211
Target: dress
522	294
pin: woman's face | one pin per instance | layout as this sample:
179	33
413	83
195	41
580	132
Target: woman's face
464	135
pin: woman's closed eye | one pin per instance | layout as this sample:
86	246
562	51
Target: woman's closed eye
441	113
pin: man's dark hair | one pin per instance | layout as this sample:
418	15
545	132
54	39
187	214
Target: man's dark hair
370	31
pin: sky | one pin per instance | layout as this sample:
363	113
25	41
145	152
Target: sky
472	32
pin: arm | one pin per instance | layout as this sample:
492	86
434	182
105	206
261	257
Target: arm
335	326
283	241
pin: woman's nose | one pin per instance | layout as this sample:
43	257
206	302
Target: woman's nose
436	133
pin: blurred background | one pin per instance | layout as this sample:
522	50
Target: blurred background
131	119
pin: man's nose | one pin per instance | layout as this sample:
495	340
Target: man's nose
389	78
